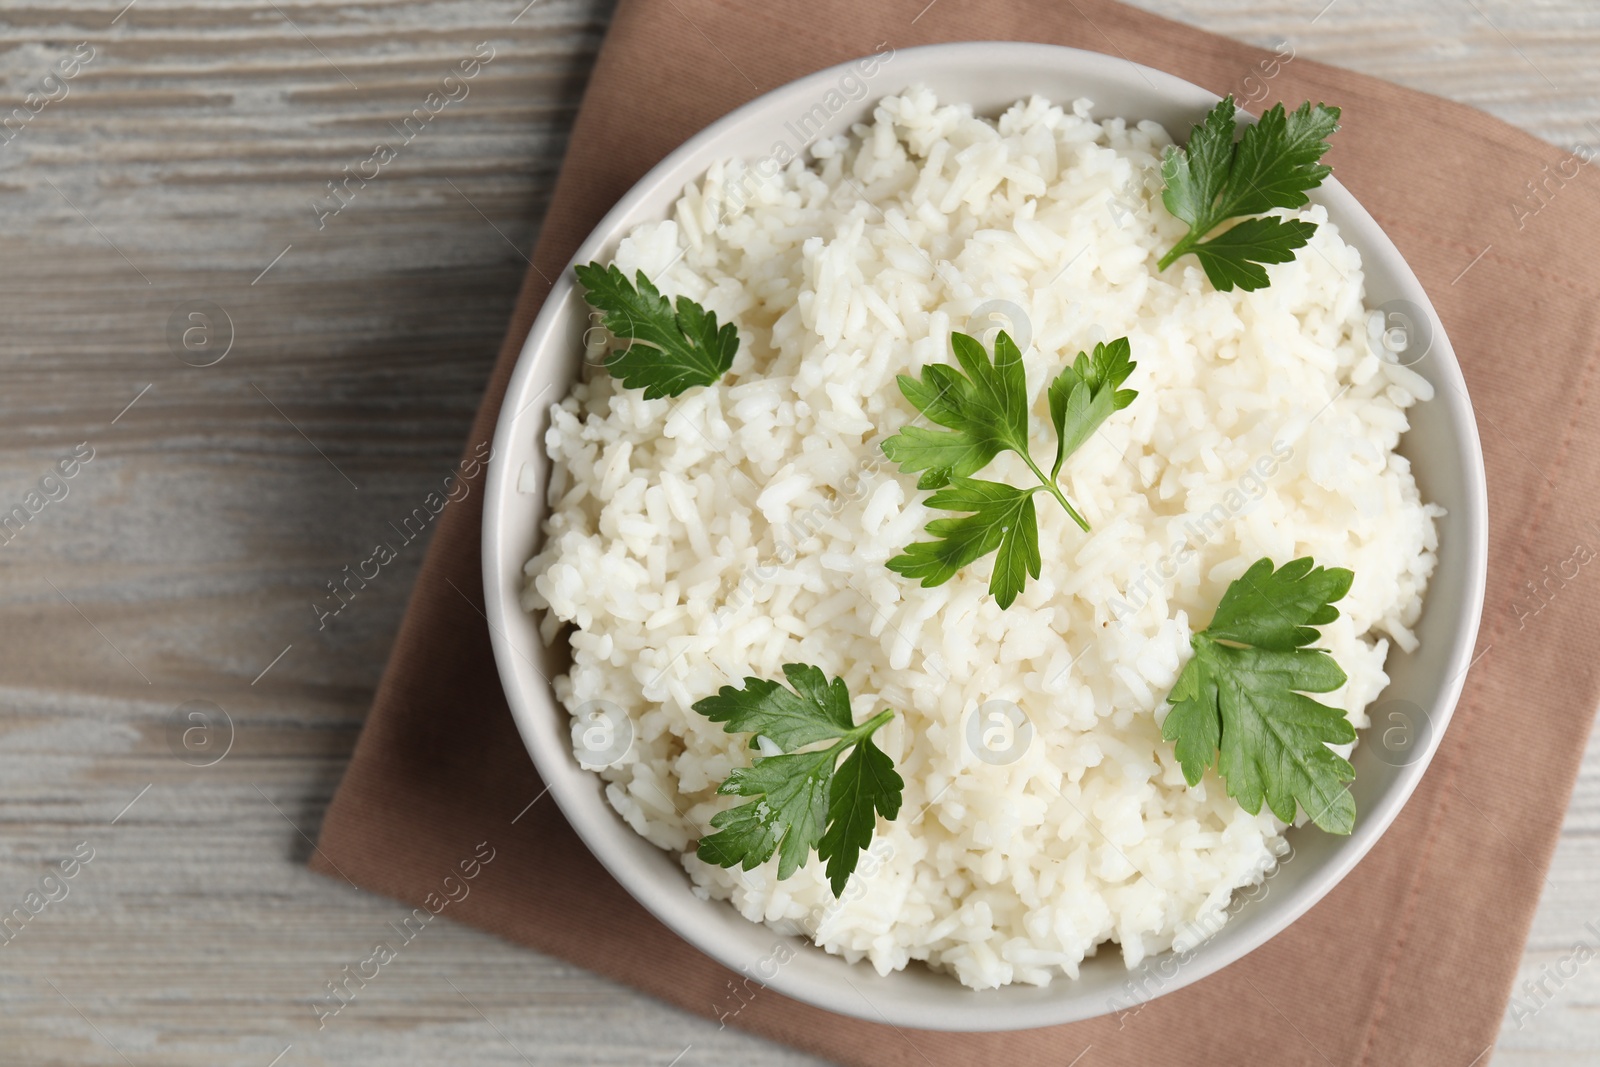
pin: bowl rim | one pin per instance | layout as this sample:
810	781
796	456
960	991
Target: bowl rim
678	907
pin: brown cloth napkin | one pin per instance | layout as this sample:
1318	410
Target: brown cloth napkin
1410	960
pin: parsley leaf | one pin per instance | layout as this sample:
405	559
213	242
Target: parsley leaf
1002	518
865	787
672	350
1233	257
986	410
1085	394
1243	695
804	802
812	711
1276	610
984	407
1212	180
790	816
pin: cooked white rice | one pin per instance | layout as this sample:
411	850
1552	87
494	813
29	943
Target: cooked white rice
698	540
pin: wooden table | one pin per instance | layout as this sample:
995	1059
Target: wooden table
174	177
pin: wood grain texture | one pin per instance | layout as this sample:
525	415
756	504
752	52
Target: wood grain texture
177	174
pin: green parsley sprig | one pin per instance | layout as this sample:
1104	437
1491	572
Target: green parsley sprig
984	409
1213	179
673	348
804	802
1243	695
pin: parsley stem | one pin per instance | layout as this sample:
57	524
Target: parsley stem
1190	239
866	729
1055	491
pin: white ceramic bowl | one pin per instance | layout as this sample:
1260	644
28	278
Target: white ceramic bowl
1443	445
